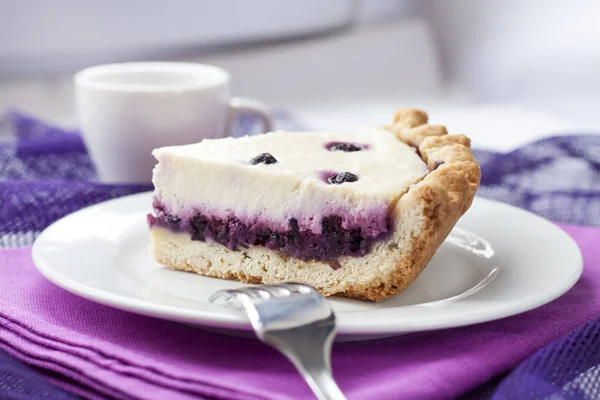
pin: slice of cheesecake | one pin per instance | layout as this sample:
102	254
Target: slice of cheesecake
356	214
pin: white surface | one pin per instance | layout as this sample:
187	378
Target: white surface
509	49
127	110
392	62
541	54
522	262
215	177
496	127
42	36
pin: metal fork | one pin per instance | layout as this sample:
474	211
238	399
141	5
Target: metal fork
298	321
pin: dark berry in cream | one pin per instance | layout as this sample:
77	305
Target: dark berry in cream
263	158
342	177
344	146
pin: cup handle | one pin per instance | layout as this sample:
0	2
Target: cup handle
239	105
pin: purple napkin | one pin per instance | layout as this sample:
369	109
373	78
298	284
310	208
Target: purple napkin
127	356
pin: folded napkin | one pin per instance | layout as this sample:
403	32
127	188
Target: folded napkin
99	352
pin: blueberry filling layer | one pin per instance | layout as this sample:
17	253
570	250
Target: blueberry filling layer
333	241
173	219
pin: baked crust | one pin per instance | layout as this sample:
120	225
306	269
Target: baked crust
424	217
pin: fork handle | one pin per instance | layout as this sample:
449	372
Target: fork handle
322	384
315	368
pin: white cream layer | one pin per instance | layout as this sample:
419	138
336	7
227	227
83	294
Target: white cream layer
215	175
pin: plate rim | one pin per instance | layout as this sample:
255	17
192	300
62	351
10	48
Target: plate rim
345	326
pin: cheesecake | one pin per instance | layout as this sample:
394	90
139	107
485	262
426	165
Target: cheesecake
357	214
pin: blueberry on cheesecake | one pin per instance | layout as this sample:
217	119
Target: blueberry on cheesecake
356	214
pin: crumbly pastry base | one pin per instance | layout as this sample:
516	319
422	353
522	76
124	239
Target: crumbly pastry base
424	216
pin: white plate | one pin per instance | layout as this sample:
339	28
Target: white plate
513	261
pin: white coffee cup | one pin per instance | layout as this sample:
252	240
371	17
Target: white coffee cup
127	110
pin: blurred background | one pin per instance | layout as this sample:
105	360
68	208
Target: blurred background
504	72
